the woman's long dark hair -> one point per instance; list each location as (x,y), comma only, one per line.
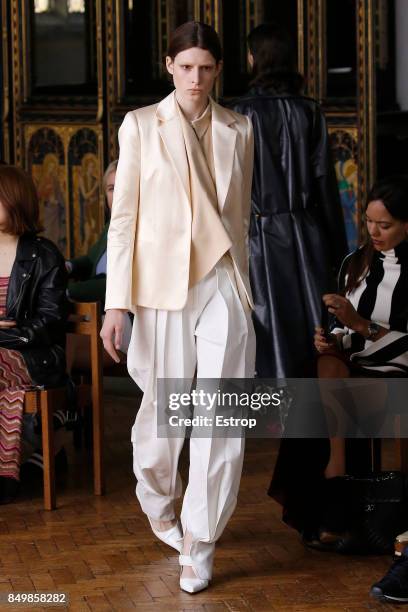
(393,193)
(274,59)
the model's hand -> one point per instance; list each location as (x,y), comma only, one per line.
(112,331)
(7,324)
(344,311)
(322,343)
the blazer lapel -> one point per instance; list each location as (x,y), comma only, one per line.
(172,136)
(224,137)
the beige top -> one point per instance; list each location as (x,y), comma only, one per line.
(202,128)
(209,238)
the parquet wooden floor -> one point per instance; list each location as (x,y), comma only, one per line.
(103,554)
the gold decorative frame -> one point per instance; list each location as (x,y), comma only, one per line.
(16,75)
(6,153)
(366,106)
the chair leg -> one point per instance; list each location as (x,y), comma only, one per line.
(97,415)
(48,450)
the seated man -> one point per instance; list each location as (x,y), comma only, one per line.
(89,271)
(89,284)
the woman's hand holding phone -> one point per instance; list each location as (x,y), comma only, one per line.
(324,343)
(344,311)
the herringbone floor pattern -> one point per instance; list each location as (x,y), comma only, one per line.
(103,554)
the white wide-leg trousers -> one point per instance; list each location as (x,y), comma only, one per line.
(213,337)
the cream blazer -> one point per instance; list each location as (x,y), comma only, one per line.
(149,239)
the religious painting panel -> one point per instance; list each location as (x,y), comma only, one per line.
(46,161)
(345,154)
(85,197)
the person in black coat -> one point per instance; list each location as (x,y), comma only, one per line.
(297,234)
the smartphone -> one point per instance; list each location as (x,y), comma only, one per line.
(325,321)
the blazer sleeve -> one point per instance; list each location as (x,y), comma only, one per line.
(122,229)
(327,192)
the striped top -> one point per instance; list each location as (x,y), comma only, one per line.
(382,297)
(4,281)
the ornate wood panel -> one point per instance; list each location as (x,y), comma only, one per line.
(351,116)
(124,42)
(65,162)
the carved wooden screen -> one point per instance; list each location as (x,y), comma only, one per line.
(75,67)
(57,113)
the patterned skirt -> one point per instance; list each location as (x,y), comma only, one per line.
(14,382)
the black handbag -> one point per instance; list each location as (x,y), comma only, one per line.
(376,512)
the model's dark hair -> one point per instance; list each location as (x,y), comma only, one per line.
(195,34)
(274,59)
(392,191)
(19,198)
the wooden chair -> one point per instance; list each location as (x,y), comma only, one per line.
(45,402)
(85,320)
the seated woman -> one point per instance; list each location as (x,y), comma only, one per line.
(89,272)
(33,311)
(369,338)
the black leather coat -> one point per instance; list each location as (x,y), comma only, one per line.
(36,300)
(297,235)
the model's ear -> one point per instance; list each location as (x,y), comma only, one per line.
(250,59)
(169,64)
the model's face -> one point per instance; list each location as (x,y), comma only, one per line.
(194,72)
(110,186)
(385,231)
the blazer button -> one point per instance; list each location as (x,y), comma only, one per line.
(24,275)
(45,362)
(33,255)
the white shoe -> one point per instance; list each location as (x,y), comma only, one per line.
(172,537)
(191,585)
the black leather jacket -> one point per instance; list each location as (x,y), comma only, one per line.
(36,300)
